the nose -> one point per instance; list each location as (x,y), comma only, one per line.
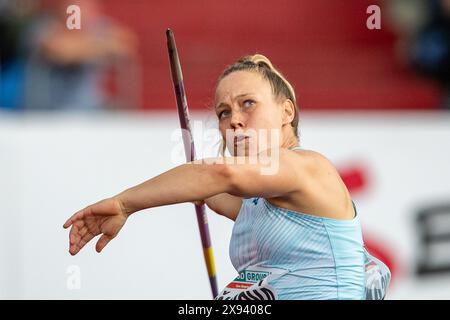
(236,120)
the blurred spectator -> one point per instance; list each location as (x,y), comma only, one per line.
(431,52)
(14,18)
(66,67)
(424,26)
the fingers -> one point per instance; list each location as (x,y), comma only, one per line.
(102,242)
(79,235)
(83,230)
(74,234)
(87,223)
(76,216)
(80,241)
(106,207)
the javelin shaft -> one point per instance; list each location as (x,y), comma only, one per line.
(189,148)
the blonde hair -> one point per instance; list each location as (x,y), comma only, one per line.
(281,88)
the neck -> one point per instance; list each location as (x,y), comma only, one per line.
(290,141)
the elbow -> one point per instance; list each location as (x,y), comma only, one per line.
(225,176)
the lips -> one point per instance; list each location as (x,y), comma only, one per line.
(240,139)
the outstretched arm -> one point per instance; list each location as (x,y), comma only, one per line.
(213,179)
(194,181)
(186,183)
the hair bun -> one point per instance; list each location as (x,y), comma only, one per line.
(262,61)
(259,60)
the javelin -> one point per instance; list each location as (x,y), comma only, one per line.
(183,114)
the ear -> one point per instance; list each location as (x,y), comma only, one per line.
(288,110)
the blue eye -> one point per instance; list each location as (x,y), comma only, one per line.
(249,103)
(221,113)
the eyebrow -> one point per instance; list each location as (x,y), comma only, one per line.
(238,96)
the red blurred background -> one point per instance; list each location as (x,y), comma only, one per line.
(323,47)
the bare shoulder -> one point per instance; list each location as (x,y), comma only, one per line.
(324,193)
(310,169)
(314,162)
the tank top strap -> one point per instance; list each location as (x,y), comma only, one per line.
(354,208)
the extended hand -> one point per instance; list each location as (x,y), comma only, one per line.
(105,217)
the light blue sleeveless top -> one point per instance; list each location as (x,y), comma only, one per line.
(305,256)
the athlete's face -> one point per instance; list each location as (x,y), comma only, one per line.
(245,105)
